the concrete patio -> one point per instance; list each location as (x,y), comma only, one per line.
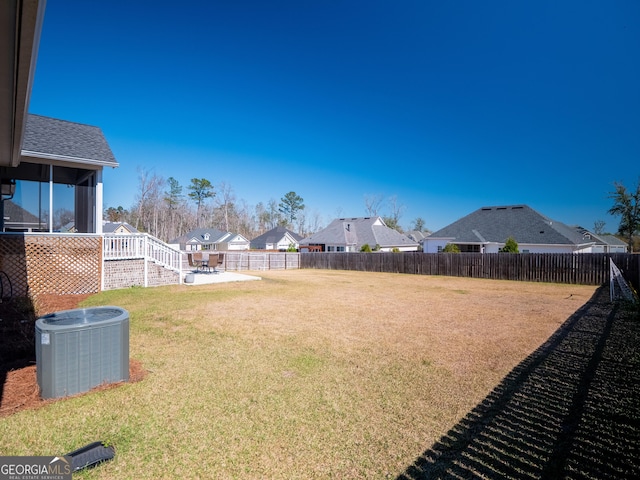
(203,278)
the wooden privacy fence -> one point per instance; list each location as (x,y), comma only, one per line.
(584,269)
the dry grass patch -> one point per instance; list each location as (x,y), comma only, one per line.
(305,374)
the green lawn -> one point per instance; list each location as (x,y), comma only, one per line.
(305,374)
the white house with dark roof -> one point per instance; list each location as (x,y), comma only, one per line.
(603,243)
(210,239)
(278,238)
(487,229)
(350,234)
(118,227)
(417,235)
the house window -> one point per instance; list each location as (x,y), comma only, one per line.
(27,211)
(58,200)
(339,249)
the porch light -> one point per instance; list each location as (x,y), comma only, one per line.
(8,188)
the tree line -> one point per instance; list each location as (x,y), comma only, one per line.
(166,209)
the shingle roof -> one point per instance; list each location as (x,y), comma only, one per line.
(359,231)
(417,235)
(199,234)
(110,227)
(47,137)
(15,213)
(274,236)
(497,224)
(613,240)
(602,239)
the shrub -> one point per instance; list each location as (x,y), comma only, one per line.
(510,246)
(365,248)
(451,248)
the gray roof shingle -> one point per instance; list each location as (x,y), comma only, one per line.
(497,224)
(274,236)
(53,138)
(110,227)
(200,236)
(359,231)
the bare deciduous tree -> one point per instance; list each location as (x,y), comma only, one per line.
(598,227)
(372,204)
(396,210)
(147,200)
(225,203)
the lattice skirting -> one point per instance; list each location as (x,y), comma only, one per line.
(60,264)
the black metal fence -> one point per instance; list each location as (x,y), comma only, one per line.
(583,269)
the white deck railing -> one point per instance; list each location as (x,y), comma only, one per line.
(117,246)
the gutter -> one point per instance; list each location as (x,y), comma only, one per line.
(66,159)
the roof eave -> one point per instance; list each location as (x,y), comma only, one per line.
(20,25)
(63,159)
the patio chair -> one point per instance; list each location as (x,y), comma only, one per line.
(198,260)
(192,263)
(213,261)
(220,262)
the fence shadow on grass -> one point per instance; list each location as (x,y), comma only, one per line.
(569,410)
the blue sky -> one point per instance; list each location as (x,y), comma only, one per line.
(448,106)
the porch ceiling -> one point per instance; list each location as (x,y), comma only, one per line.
(20,27)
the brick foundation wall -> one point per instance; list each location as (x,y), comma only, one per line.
(129,273)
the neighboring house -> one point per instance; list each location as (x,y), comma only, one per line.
(417,235)
(118,227)
(210,239)
(350,234)
(603,243)
(279,238)
(69,227)
(487,229)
